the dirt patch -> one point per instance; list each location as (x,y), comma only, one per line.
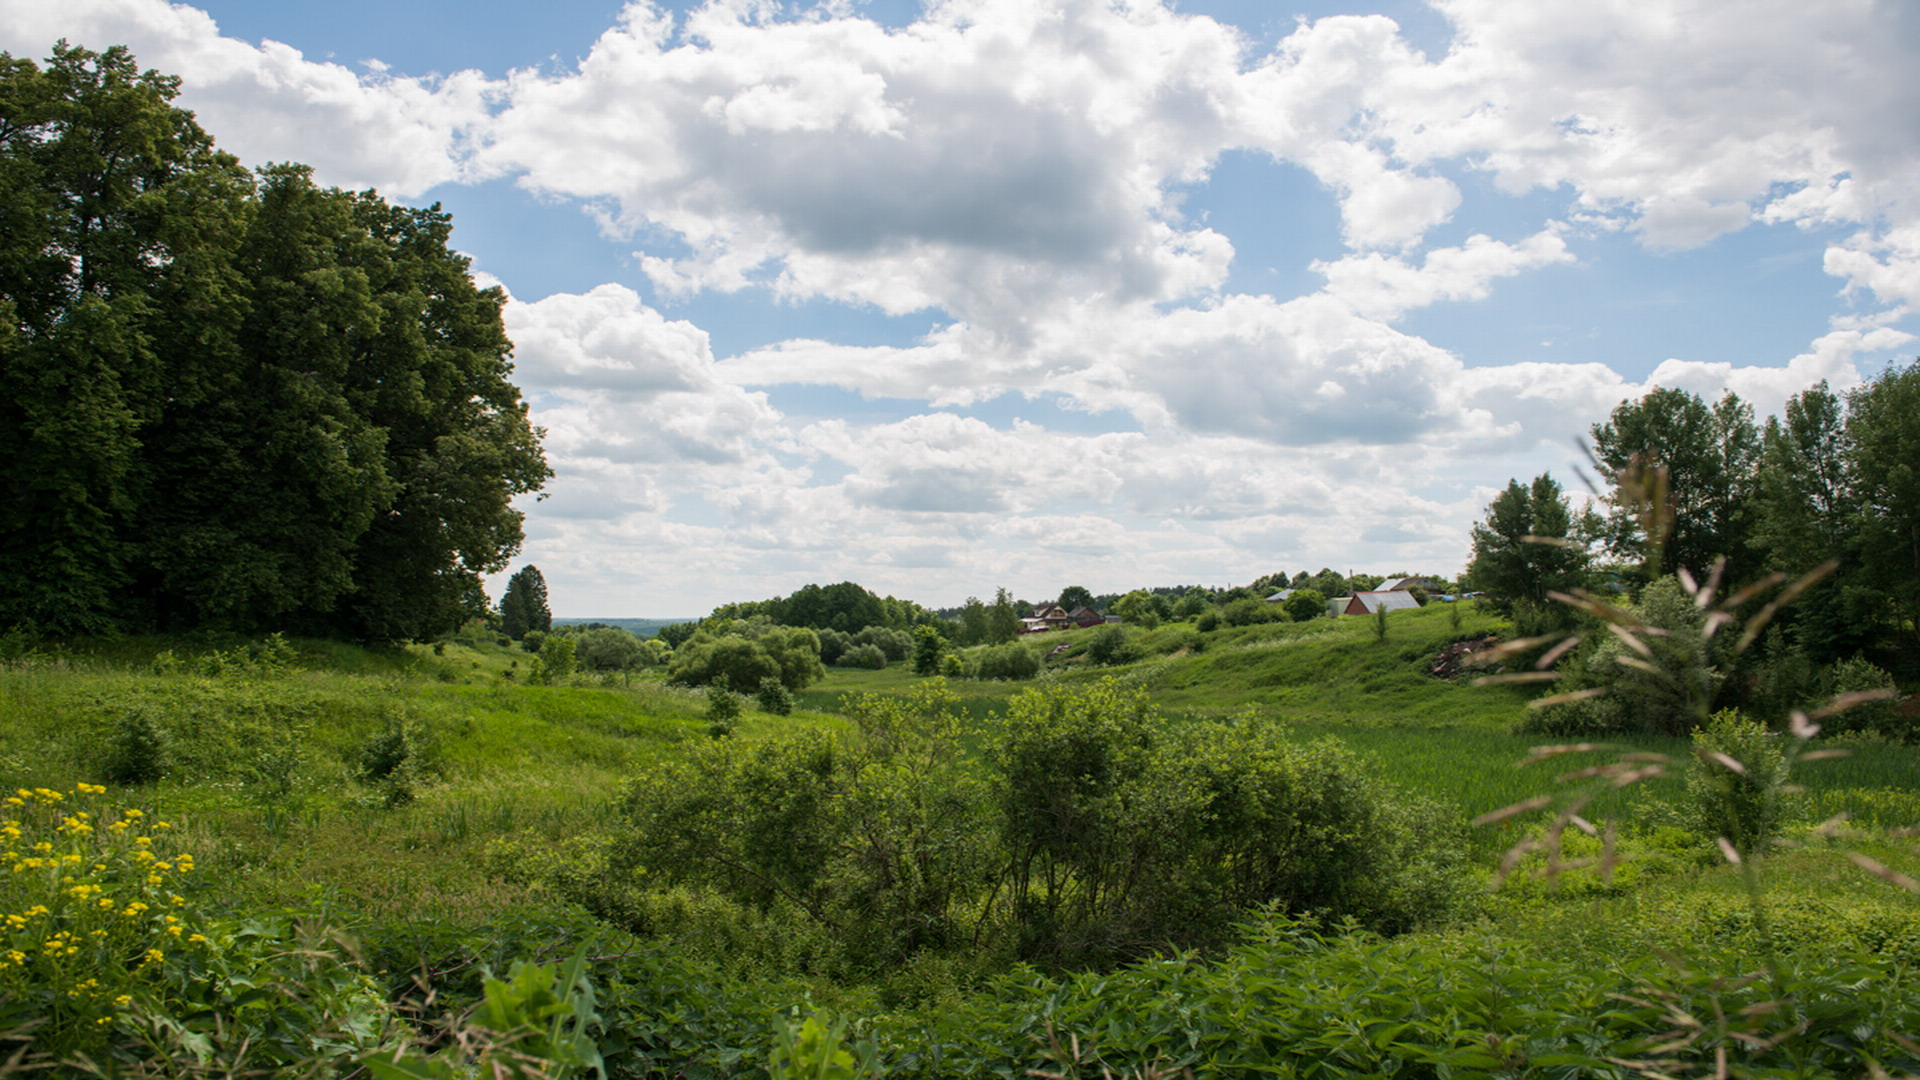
(1456,659)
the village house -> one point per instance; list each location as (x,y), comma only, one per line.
(1366,603)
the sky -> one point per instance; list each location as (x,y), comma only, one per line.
(948,296)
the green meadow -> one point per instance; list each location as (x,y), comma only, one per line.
(507,832)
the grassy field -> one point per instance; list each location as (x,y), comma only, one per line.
(264,762)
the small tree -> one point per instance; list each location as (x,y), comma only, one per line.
(927,647)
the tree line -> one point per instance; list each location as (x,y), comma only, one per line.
(229,399)
(1701,501)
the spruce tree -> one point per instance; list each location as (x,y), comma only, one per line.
(523,606)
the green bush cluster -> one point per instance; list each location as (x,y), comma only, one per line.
(1091,833)
(1011,662)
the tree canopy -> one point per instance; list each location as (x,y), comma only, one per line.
(235,401)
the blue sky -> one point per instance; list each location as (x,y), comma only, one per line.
(941,298)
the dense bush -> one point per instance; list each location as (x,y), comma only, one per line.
(1110,646)
(137,753)
(1011,662)
(1305,604)
(896,644)
(833,645)
(1250,612)
(789,654)
(1661,675)
(1092,834)
(609,648)
(773,697)
(1736,782)
(864,656)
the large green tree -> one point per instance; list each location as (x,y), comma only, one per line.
(1807,511)
(1883,433)
(228,401)
(1682,474)
(1525,550)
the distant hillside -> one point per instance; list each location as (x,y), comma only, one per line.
(637,627)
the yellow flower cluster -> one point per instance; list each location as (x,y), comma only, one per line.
(89,908)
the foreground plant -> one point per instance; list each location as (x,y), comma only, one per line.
(107,966)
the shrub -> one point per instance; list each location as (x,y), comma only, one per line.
(1111,646)
(533,639)
(397,762)
(1011,662)
(609,648)
(952,666)
(1250,612)
(864,656)
(1735,782)
(1208,622)
(137,749)
(723,708)
(706,660)
(1666,686)
(1305,604)
(556,660)
(833,645)
(896,644)
(1855,675)
(774,697)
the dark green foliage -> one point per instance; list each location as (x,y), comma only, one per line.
(678,634)
(523,606)
(1110,646)
(795,651)
(1074,596)
(231,406)
(1094,835)
(1208,622)
(1883,435)
(1881,716)
(833,645)
(1007,662)
(137,751)
(846,607)
(773,697)
(397,761)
